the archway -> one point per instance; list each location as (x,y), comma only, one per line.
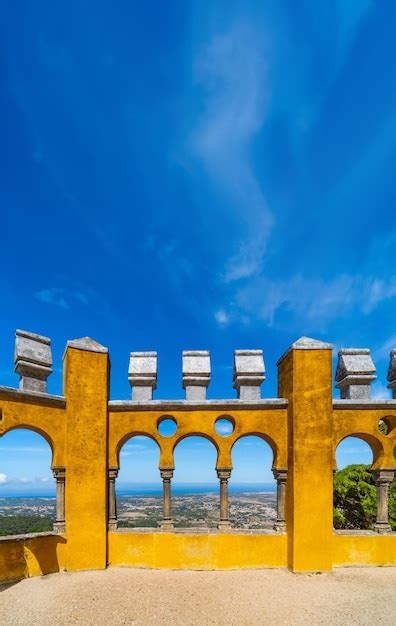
(252,487)
(195,487)
(27,486)
(355,494)
(139,485)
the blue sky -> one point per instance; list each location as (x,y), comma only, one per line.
(210,175)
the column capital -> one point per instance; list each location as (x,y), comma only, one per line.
(223,474)
(112,472)
(280,474)
(59,473)
(166,474)
(383,476)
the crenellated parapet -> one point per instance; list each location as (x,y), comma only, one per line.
(303,425)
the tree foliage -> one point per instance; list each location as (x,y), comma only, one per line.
(355,499)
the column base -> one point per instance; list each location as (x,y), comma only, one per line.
(382,527)
(224,525)
(280,527)
(59,528)
(112,525)
(167,525)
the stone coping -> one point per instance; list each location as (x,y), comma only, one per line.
(365,404)
(370,533)
(34,397)
(27,536)
(197,531)
(169,405)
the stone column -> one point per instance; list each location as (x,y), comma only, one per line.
(33,360)
(355,373)
(249,373)
(166,475)
(382,478)
(224,521)
(281,478)
(60,477)
(112,522)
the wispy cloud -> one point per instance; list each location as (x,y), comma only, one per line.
(63,297)
(54,295)
(314,300)
(221,317)
(3,479)
(231,71)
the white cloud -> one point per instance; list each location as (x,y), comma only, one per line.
(24,480)
(221,317)
(3,479)
(61,297)
(231,68)
(313,300)
(42,479)
(54,295)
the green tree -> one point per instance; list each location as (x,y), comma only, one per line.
(355,498)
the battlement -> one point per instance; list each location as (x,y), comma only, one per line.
(303,426)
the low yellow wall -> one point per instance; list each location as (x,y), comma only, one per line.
(353,550)
(197,551)
(22,557)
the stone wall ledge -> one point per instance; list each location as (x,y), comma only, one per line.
(365,404)
(218,405)
(33,397)
(27,536)
(370,533)
(198,531)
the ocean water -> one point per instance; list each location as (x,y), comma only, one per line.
(146,489)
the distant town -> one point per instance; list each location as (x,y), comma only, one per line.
(197,510)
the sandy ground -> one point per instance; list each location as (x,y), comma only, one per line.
(132,596)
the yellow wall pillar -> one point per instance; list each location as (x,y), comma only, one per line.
(305,379)
(86,372)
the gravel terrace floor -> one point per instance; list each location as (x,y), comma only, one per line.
(135,596)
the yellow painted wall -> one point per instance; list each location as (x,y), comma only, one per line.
(86,390)
(86,434)
(305,379)
(31,556)
(197,551)
(364,550)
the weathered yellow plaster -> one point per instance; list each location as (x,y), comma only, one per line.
(197,551)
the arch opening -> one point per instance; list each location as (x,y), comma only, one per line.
(354,491)
(252,487)
(27,485)
(138,487)
(195,488)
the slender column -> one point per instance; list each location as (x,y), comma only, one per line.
(112,522)
(383,479)
(60,477)
(281,478)
(166,475)
(224,521)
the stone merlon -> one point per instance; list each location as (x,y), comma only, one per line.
(142,375)
(196,374)
(249,373)
(355,373)
(392,373)
(33,360)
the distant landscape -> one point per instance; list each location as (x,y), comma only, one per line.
(193,506)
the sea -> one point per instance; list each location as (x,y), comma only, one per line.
(155,489)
